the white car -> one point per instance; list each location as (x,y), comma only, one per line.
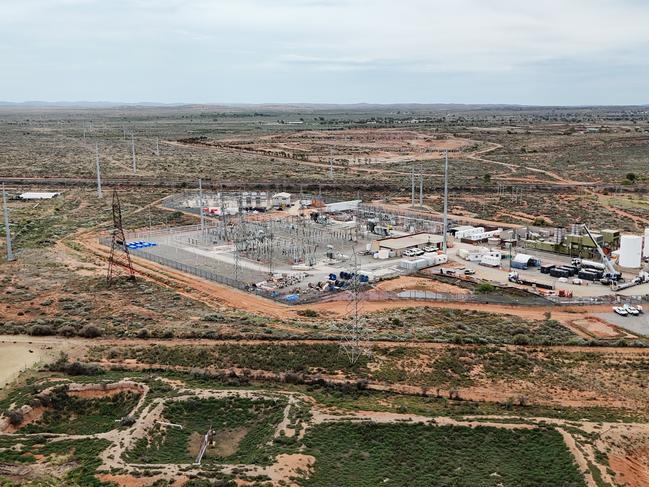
(631,310)
(430,249)
(620,310)
(417,252)
(408,253)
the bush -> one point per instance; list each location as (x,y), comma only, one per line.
(143,333)
(74,368)
(539,222)
(41,330)
(44,399)
(484,288)
(521,339)
(15,417)
(77,368)
(308,313)
(90,331)
(127,421)
(67,331)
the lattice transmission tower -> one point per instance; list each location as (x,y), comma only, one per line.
(119,255)
(355,342)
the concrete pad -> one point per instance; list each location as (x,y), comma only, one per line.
(638,325)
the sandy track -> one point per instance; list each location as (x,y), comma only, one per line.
(554,177)
(319,165)
(18,353)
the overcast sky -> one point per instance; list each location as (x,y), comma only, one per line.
(331,51)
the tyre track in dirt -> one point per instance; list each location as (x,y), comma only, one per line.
(554,177)
(319,165)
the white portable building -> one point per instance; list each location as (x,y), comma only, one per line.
(342,206)
(492,259)
(38,196)
(472,255)
(282,199)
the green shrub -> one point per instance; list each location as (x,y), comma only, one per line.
(484,288)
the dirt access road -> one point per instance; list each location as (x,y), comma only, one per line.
(19,353)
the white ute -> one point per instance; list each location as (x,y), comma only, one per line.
(620,310)
(631,310)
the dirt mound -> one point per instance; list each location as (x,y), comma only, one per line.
(30,415)
(408,283)
(93,392)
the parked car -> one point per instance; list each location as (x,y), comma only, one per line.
(469,272)
(620,310)
(430,249)
(631,310)
(408,253)
(418,252)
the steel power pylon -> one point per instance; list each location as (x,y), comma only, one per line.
(119,255)
(355,337)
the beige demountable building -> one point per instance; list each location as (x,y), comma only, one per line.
(282,200)
(399,244)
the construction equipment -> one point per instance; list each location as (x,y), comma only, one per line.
(642,278)
(515,278)
(611,275)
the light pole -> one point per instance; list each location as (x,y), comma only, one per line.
(445,200)
(10,254)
